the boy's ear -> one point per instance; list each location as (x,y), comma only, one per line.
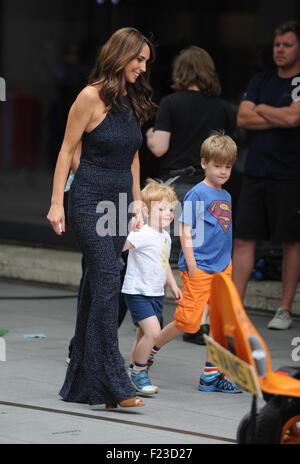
(203,163)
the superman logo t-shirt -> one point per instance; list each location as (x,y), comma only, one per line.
(221,210)
(208,211)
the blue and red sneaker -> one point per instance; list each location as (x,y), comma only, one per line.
(218,383)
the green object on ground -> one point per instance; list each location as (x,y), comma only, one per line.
(3,332)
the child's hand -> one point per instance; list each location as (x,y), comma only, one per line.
(177,293)
(192,270)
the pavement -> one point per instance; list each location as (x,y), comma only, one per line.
(38,297)
(31,411)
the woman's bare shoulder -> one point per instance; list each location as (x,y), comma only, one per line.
(89,95)
(87,101)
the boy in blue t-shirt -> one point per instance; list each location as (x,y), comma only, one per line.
(206,240)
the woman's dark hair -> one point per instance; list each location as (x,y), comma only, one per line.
(122,47)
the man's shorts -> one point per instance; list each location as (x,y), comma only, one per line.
(142,306)
(195,295)
(268,210)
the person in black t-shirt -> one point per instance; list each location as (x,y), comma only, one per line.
(269,203)
(186,117)
(184,120)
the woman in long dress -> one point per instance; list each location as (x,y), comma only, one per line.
(105,119)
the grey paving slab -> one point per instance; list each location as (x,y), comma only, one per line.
(35,427)
(35,368)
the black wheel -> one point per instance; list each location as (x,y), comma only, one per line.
(278,422)
(243,434)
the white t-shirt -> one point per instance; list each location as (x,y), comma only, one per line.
(147,264)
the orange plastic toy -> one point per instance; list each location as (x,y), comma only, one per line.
(247,361)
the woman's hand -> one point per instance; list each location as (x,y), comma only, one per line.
(56,216)
(137,220)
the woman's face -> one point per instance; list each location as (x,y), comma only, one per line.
(137,66)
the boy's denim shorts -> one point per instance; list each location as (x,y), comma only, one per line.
(142,306)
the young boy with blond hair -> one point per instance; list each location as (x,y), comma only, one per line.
(206,240)
(148,271)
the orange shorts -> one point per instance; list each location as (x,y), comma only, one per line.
(195,295)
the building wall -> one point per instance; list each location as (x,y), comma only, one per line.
(41,39)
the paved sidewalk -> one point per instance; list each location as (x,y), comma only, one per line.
(32,412)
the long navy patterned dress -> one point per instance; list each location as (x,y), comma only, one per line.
(96,373)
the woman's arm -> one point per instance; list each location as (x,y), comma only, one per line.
(135,170)
(137,220)
(76,158)
(78,119)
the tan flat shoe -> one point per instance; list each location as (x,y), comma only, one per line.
(129,403)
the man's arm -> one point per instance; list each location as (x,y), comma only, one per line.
(286,116)
(249,118)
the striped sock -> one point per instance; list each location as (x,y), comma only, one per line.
(210,370)
(154,351)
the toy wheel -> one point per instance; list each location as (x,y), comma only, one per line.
(276,425)
(290,432)
(244,430)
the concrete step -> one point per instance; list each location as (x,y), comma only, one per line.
(61,267)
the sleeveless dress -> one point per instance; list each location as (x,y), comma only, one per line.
(98,214)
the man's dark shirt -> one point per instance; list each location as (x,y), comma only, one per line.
(274,153)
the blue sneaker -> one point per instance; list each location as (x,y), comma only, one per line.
(218,383)
(142,383)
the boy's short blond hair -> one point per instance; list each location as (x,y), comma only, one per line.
(157,191)
(219,147)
